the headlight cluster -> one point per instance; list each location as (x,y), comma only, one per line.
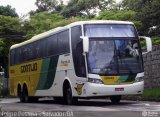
(139,79)
(93,80)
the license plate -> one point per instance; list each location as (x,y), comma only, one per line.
(119,89)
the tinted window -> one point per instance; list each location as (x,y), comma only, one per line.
(77,50)
(110,30)
(30,53)
(39,49)
(12,54)
(17,56)
(63,42)
(52,45)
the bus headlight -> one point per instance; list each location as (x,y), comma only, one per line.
(93,80)
(139,79)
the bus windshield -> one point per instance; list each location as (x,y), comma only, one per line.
(112,57)
(110,30)
(113,49)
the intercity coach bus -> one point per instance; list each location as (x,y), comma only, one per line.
(85,59)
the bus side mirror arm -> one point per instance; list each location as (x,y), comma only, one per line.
(148,43)
(85,44)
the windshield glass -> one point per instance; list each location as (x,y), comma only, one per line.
(109,30)
(114,56)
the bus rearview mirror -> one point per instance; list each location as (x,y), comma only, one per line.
(85,44)
(148,43)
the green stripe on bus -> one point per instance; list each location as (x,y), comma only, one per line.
(51,72)
(127,78)
(131,78)
(44,73)
(47,74)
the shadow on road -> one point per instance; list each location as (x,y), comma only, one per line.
(87,102)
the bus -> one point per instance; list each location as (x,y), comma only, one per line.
(85,59)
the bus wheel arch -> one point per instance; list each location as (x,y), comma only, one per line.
(67,93)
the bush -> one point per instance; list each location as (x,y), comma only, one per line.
(4,93)
(152,93)
(155,40)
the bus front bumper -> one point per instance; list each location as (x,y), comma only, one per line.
(95,90)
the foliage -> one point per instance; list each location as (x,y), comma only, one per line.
(134,5)
(8,11)
(147,12)
(4,93)
(9,26)
(123,15)
(155,40)
(10,31)
(48,5)
(85,8)
(153,93)
(44,21)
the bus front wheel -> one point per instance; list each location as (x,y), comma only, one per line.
(68,99)
(115,99)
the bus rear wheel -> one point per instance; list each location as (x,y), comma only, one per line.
(115,99)
(25,98)
(20,93)
(24,95)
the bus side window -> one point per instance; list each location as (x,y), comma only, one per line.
(17,56)
(63,42)
(52,45)
(12,59)
(77,50)
(39,49)
(30,53)
(24,53)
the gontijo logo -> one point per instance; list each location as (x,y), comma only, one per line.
(29,68)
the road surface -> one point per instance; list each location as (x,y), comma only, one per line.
(47,107)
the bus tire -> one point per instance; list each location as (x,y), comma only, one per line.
(25,94)
(58,99)
(32,99)
(67,94)
(20,94)
(21,98)
(75,100)
(115,99)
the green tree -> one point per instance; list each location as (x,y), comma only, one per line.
(44,21)
(147,11)
(10,29)
(40,22)
(85,8)
(8,11)
(46,5)
(123,15)
(135,5)
(10,33)
(150,16)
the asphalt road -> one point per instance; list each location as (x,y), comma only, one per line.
(84,108)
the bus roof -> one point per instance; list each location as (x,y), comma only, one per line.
(58,29)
